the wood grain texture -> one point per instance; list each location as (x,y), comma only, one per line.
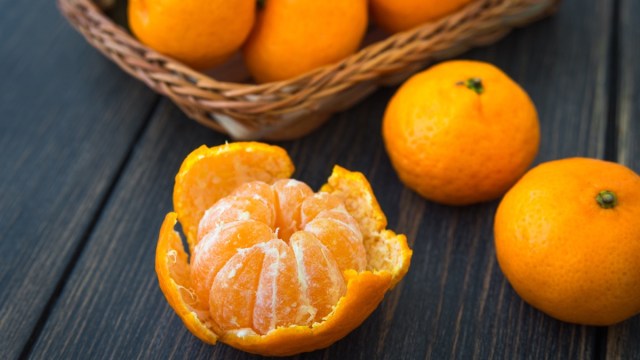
(629,85)
(454,302)
(623,340)
(67,120)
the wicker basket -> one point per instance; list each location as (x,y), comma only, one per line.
(291,108)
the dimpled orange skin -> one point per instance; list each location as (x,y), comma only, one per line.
(562,252)
(455,146)
(210,174)
(292,37)
(198,33)
(400,15)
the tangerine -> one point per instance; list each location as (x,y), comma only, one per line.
(275,268)
(567,238)
(199,33)
(400,15)
(461,132)
(292,37)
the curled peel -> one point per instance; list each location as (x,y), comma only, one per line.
(173,275)
(388,255)
(386,250)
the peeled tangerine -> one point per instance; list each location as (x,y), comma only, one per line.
(275,269)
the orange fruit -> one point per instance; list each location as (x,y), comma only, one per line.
(292,37)
(461,132)
(400,15)
(199,33)
(567,238)
(275,269)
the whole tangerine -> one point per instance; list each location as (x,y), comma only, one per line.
(400,15)
(567,238)
(461,132)
(199,33)
(292,37)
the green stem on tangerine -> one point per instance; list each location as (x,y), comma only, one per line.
(260,4)
(607,199)
(474,84)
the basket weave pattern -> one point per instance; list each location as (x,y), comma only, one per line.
(291,108)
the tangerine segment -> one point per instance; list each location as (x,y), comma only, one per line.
(290,195)
(339,232)
(279,298)
(235,284)
(235,208)
(208,174)
(320,276)
(317,203)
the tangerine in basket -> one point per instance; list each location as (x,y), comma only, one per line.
(461,132)
(567,238)
(199,33)
(274,269)
(292,37)
(400,15)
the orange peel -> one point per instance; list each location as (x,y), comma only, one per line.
(228,166)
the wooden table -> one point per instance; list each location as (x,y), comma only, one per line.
(86,175)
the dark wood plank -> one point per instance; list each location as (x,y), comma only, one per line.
(453,303)
(67,120)
(623,340)
(629,85)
